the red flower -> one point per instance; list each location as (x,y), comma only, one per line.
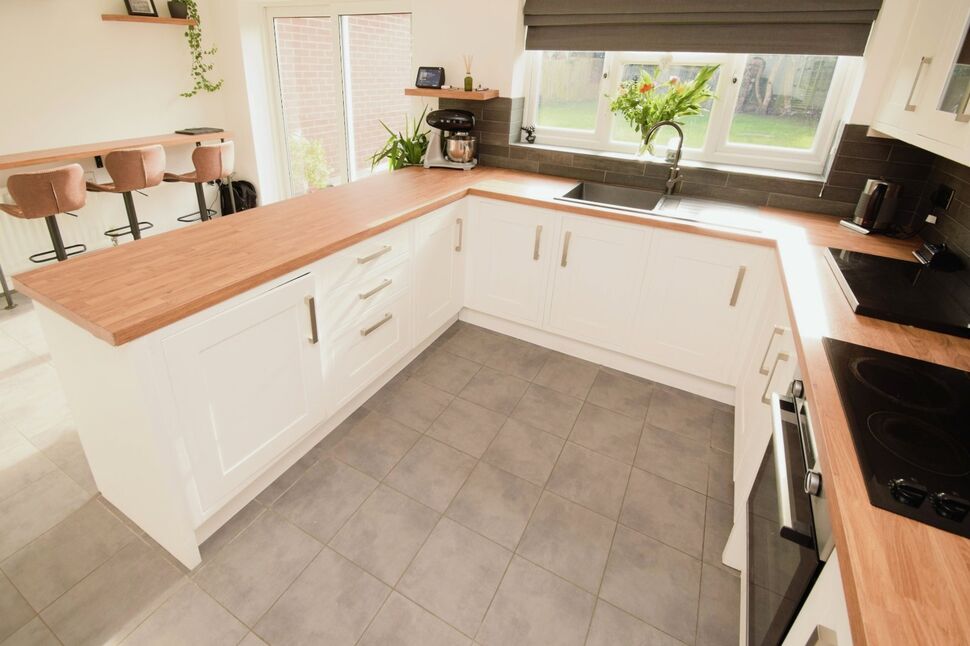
(646,87)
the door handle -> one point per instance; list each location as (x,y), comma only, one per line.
(367,330)
(535,248)
(742,270)
(461,233)
(785,492)
(384,285)
(923,61)
(778,331)
(311,304)
(377,254)
(565,248)
(782,356)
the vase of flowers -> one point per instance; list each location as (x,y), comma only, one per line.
(646,101)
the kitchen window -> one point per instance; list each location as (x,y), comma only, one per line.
(776,111)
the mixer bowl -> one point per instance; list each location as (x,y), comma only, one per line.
(461,148)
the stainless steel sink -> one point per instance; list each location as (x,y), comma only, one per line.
(614,197)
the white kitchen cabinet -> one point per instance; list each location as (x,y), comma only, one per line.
(247,383)
(599,269)
(439,264)
(824,617)
(697,295)
(510,250)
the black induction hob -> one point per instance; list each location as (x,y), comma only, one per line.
(910,423)
(904,292)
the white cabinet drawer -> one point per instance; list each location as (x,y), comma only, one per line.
(365,259)
(350,304)
(361,353)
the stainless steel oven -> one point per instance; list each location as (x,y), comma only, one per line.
(789,535)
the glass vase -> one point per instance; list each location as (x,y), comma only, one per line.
(468,83)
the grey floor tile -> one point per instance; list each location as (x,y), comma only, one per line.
(720,479)
(278,487)
(34,633)
(46,568)
(446,371)
(474,343)
(590,479)
(682,412)
(653,582)
(252,639)
(115,598)
(567,375)
(189,617)
(325,446)
(21,464)
(250,573)
(14,609)
(414,404)
(613,627)
(674,456)
(225,534)
(36,508)
(466,426)
(718,623)
(534,607)
(518,358)
(495,390)
(403,623)
(431,472)
(626,395)
(325,497)
(495,504)
(666,511)
(524,451)
(569,540)
(385,533)
(607,432)
(79,471)
(548,410)
(455,575)
(375,444)
(331,602)
(717,527)
(722,431)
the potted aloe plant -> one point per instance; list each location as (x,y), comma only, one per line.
(405,148)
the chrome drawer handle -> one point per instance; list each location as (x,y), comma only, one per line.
(565,248)
(742,270)
(778,331)
(782,356)
(311,304)
(384,285)
(368,330)
(377,254)
(461,233)
(535,248)
(925,60)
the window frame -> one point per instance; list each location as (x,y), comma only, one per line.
(717,148)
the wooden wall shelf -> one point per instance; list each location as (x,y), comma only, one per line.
(484,95)
(158,20)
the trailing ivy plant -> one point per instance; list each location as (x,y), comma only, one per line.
(403,149)
(200,68)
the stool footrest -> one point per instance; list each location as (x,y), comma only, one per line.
(47,256)
(194,216)
(126,230)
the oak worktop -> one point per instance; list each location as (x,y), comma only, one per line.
(905,582)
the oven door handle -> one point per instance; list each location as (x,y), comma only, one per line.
(785,492)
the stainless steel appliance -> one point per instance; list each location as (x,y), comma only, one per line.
(451,144)
(789,534)
(876,209)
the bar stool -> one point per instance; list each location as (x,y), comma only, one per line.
(131,170)
(44,194)
(211,163)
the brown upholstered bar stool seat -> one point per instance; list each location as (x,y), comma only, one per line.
(211,163)
(131,170)
(44,194)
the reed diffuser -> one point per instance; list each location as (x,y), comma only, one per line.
(469,84)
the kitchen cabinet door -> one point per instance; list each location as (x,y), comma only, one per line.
(248,383)
(697,295)
(509,258)
(599,268)
(439,262)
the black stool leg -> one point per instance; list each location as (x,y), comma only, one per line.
(56,239)
(132,216)
(203,209)
(6,291)
(232,196)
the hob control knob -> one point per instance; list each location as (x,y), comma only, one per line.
(950,505)
(907,491)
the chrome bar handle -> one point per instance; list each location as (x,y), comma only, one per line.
(377,254)
(962,115)
(384,285)
(535,248)
(368,330)
(565,248)
(782,356)
(771,340)
(311,304)
(782,481)
(742,270)
(923,61)
(461,233)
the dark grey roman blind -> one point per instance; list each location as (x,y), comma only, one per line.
(836,27)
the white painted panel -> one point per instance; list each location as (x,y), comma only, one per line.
(439,256)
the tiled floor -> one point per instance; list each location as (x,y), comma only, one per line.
(494,493)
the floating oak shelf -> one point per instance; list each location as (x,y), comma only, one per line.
(158,20)
(484,95)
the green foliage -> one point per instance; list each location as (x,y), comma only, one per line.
(200,68)
(403,149)
(308,159)
(644,102)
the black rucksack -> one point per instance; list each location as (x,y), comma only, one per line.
(243,193)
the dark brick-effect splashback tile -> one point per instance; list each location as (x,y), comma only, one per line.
(953,226)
